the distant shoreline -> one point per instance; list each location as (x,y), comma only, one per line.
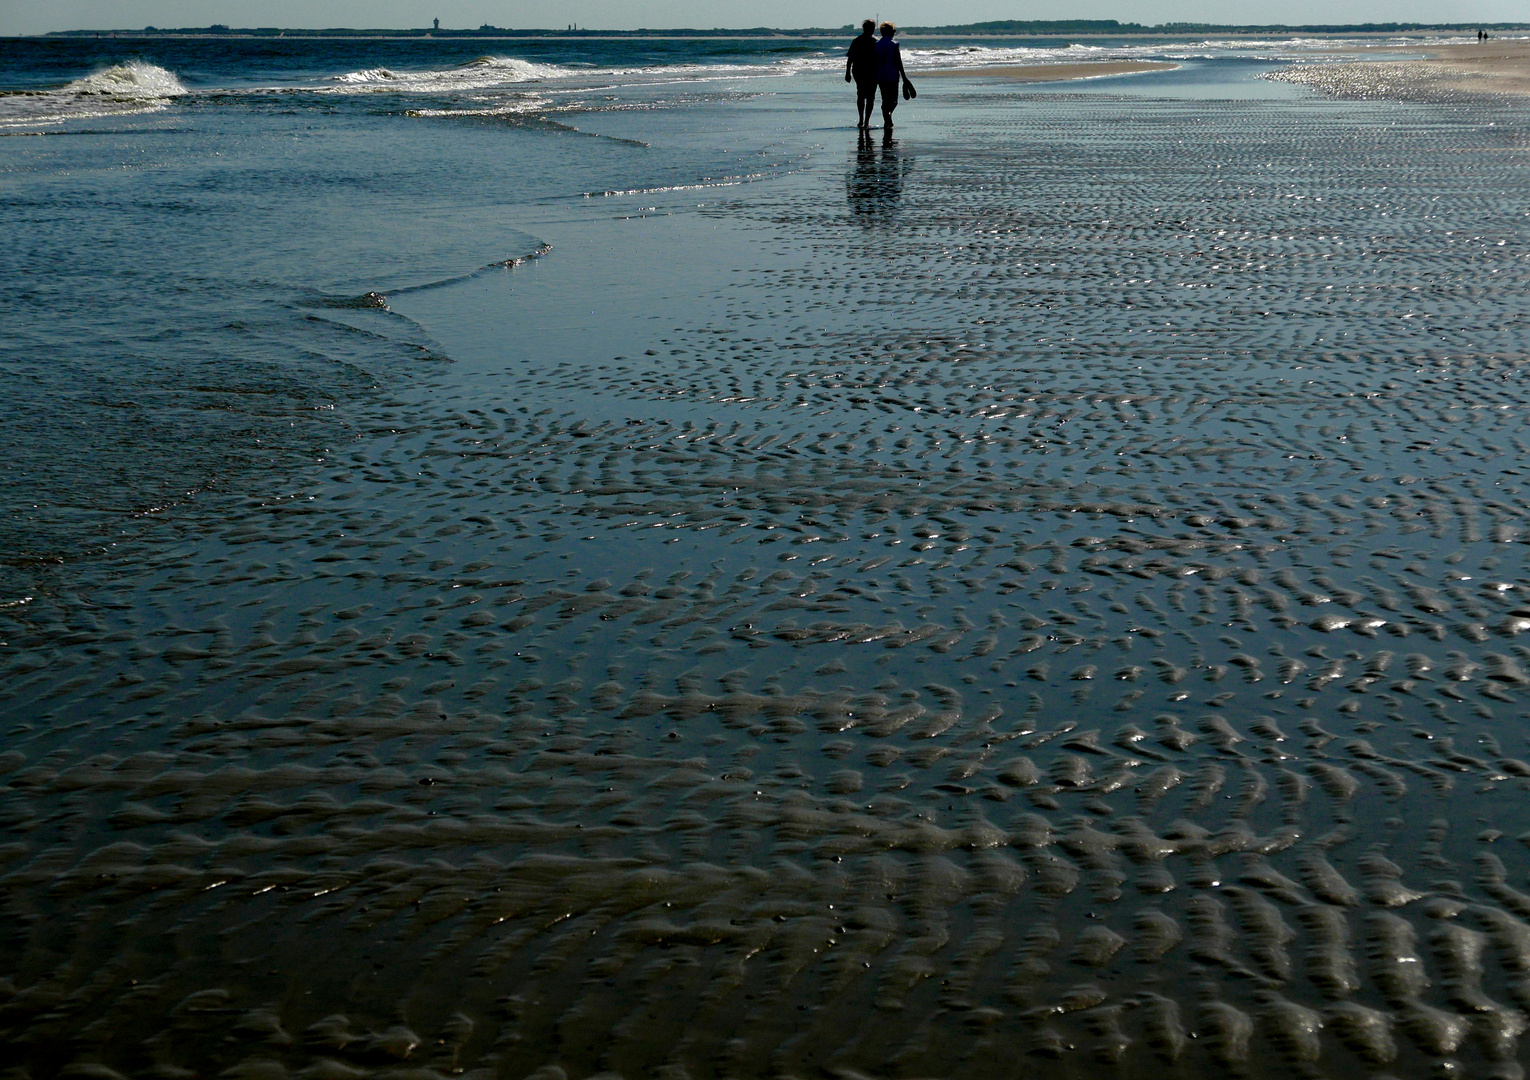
(1009,29)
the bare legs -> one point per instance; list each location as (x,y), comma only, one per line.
(889,103)
(864,104)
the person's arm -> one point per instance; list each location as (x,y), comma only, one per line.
(901,72)
(849,62)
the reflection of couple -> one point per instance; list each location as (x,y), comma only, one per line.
(875,182)
(874,64)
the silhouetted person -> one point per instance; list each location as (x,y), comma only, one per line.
(861,65)
(889,73)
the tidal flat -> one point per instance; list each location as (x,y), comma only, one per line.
(1042,595)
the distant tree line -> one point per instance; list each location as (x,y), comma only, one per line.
(997,27)
(1027,27)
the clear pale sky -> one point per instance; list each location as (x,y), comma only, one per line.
(40,16)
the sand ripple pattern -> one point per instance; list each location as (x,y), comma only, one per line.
(1067,617)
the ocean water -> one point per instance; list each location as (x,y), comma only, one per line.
(566,561)
(196,175)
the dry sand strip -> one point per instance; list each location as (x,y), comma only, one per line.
(1501,67)
(1487,67)
(1089,69)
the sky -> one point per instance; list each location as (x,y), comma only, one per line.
(34,17)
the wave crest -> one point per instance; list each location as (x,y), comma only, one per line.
(119,90)
(131,80)
(484,73)
(366,75)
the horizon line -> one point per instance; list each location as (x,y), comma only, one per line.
(993,26)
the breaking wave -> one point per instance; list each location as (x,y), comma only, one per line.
(484,73)
(131,80)
(134,87)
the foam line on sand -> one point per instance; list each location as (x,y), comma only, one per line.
(1090,69)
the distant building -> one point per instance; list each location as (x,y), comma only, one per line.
(438,24)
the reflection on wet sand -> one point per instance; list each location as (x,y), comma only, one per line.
(874,184)
(1110,663)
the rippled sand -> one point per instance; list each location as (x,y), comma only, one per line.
(1049,601)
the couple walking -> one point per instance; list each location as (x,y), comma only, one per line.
(874,63)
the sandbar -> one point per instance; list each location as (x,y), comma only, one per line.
(1088,69)
(1486,67)
(1496,66)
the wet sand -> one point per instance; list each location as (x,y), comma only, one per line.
(1043,596)
(1488,67)
(1091,69)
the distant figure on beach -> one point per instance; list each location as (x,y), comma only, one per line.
(890,73)
(861,65)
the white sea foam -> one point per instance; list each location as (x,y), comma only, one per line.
(491,73)
(518,107)
(484,73)
(479,84)
(130,80)
(917,56)
(134,87)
